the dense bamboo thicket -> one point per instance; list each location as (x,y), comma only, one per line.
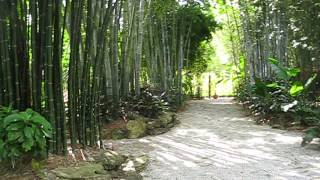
(283,30)
(275,49)
(76,60)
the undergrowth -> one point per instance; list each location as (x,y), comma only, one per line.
(22,134)
(151,103)
(283,99)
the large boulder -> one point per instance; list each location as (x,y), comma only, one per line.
(111,160)
(136,128)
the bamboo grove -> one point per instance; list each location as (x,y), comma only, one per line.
(275,49)
(68,59)
(284,30)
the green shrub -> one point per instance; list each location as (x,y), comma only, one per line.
(148,104)
(283,96)
(22,133)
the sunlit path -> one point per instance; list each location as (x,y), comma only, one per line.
(76,75)
(217,141)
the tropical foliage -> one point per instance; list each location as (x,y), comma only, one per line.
(277,60)
(22,134)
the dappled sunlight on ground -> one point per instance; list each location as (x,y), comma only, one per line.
(216,141)
(220,101)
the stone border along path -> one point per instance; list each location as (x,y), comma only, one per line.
(216,140)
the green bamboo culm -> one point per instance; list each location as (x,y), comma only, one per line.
(6,62)
(76,61)
(13,48)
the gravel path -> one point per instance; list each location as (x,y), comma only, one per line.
(215,140)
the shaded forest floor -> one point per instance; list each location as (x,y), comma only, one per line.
(217,140)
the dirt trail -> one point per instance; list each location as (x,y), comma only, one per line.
(215,140)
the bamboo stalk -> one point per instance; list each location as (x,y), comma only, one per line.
(13,47)
(36,95)
(138,54)
(49,74)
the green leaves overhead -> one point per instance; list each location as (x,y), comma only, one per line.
(201,26)
(163,7)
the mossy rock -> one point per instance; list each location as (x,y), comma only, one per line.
(135,164)
(141,163)
(83,171)
(171,125)
(176,122)
(36,165)
(154,123)
(162,124)
(111,160)
(136,128)
(117,134)
(158,131)
(167,118)
(127,175)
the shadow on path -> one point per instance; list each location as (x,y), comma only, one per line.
(215,140)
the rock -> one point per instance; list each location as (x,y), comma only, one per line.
(127,176)
(47,176)
(36,165)
(135,164)
(307,139)
(136,128)
(171,125)
(176,122)
(115,130)
(158,131)
(141,163)
(162,124)
(276,126)
(111,160)
(132,176)
(166,118)
(117,134)
(84,171)
(154,123)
